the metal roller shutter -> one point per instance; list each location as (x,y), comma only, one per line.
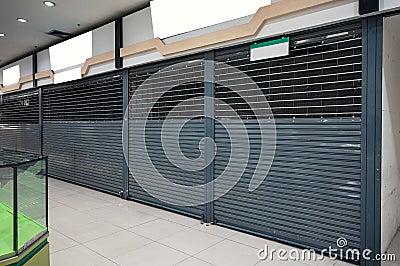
(82,131)
(19,121)
(176,80)
(311,195)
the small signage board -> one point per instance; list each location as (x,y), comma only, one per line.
(270,49)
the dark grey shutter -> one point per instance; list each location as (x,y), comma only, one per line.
(19,121)
(189,138)
(311,195)
(82,131)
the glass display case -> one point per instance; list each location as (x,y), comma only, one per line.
(23,202)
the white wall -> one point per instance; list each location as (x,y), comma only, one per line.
(103,39)
(335,12)
(103,42)
(174,17)
(138,27)
(67,75)
(43,61)
(389,4)
(26,70)
(209,29)
(391,131)
(11,76)
(25,66)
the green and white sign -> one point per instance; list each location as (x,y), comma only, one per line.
(270,49)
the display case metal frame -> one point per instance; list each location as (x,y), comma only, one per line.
(14,161)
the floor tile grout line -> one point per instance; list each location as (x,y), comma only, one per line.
(92,195)
(101,237)
(95,222)
(99,218)
(96,199)
(165,245)
(214,234)
(58,196)
(83,245)
(56,201)
(129,228)
(61,233)
(91,209)
(204,231)
(204,261)
(64,249)
(111,205)
(181,261)
(180,231)
(192,257)
(222,240)
(74,245)
(160,218)
(113,262)
(122,229)
(247,245)
(111,258)
(225,239)
(187,227)
(140,235)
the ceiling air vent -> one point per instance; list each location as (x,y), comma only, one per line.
(59,34)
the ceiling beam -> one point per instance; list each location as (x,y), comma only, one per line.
(368,6)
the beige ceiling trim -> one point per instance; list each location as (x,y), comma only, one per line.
(98,59)
(250,29)
(45,74)
(26,79)
(10,88)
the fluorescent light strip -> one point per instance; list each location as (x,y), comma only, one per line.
(22,20)
(49,4)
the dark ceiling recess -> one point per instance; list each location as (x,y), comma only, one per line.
(59,34)
(368,6)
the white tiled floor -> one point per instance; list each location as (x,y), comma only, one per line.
(90,228)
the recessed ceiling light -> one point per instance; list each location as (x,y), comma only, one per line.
(49,3)
(2,34)
(22,20)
